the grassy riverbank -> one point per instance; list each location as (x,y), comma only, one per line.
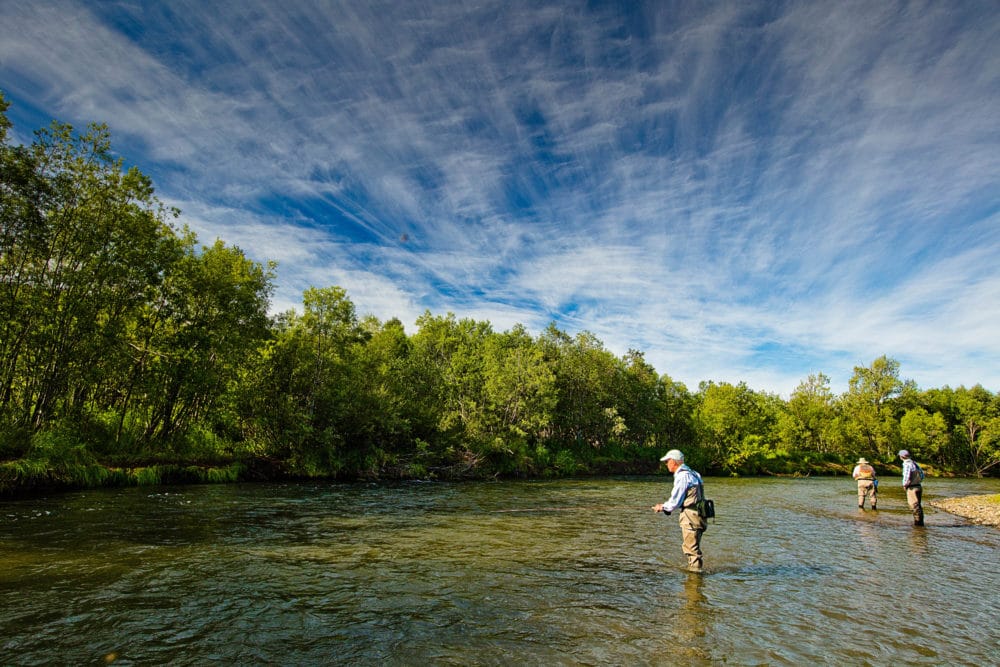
(28,476)
(25,477)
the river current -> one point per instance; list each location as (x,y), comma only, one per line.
(574,572)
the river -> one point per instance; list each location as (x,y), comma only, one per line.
(574,572)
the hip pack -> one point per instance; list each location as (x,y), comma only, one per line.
(706,508)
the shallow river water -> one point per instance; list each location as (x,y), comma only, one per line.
(501,573)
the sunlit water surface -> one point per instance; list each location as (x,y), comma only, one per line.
(504,573)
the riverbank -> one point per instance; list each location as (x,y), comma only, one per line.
(984,510)
(27,477)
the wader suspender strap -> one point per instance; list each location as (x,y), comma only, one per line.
(701,497)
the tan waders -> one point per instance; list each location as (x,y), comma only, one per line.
(866,489)
(692,528)
(913,497)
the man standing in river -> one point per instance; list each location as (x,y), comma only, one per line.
(867,483)
(688,490)
(913,480)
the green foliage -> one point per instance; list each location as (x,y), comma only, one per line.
(59,447)
(565,464)
(586,375)
(148,476)
(977,413)
(736,425)
(674,410)
(23,474)
(54,459)
(925,435)
(806,421)
(83,249)
(868,405)
(14,441)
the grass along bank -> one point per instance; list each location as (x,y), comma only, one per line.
(26,476)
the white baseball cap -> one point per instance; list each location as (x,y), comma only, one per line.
(675,455)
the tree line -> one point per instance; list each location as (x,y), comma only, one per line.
(130,353)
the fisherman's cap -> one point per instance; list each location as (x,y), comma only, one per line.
(903,454)
(675,455)
(862,460)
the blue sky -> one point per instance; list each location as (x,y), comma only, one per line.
(743,191)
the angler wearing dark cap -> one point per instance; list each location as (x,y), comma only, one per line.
(913,479)
(687,495)
(867,483)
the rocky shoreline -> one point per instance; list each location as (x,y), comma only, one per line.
(984,510)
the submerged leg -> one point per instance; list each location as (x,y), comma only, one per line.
(691,531)
(914,495)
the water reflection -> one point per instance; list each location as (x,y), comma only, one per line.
(685,620)
(918,538)
(692,618)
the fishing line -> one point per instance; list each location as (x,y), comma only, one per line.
(577,508)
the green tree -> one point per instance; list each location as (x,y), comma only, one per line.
(382,357)
(84,244)
(298,399)
(397,417)
(587,415)
(926,435)
(211,316)
(736,426)
(675,413)
(806,420)
(868,409)
(23,230)
(519,396)
(452,352)
(640,403)
(978,426)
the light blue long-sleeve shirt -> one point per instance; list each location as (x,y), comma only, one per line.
(913,475)
(684,478)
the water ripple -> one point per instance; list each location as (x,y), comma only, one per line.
(554,573)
